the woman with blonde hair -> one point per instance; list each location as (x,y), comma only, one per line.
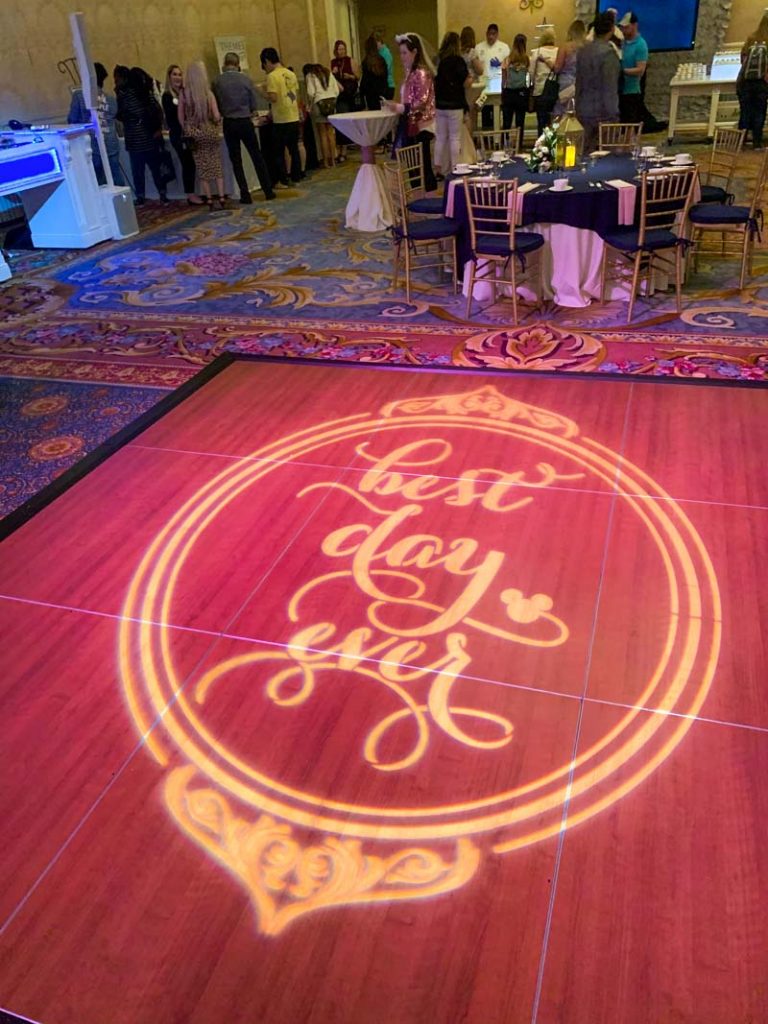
(565,65)
(467,45)
(752,84)
(201,122)
(322,92)
(543,59)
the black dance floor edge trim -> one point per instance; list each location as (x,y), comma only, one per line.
(6,1017)
(14,520)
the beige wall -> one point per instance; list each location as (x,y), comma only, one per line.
(745,16)
(508,16)
(34,36)
(455,14)
(395,17)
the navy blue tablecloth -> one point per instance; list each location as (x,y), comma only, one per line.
(581,207)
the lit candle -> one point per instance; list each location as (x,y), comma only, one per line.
(570,155)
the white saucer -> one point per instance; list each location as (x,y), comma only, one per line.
(568,188)
(467,170)
(601,152)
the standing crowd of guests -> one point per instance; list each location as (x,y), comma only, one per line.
(199,114)
(599,68)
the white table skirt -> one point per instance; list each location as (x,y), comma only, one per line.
(368,208)
(571,272)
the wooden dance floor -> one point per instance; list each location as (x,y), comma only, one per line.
(349,696)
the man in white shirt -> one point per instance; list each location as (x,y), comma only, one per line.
(492,53)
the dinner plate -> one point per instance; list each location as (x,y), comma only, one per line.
(601,152)
(467,170)
(568,188)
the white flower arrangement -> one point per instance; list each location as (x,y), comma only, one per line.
(542,157)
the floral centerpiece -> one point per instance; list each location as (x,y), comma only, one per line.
(542,157)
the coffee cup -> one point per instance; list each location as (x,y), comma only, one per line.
(461,167)
(498,155)
(682,158)
(560,184)
(648,151)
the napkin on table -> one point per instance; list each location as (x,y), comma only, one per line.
(627,193)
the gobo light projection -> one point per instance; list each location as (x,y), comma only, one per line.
(409,589)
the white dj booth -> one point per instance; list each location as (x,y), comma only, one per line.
(51,170)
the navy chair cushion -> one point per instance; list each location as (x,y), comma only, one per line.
(718,213)
(427,204)
(435,227)
(525,242)
(626,239)
(715,194)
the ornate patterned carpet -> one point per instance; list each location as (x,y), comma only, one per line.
(288,280)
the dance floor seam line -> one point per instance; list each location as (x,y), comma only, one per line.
(555,488)
(216,635)
(579,719)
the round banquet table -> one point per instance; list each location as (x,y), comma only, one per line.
(569,221)
(368,208)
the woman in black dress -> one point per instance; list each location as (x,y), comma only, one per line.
(174,90)
(373,84)
(345,71)
(142,121)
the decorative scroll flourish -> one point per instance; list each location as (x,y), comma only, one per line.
(486,401)
(286,880)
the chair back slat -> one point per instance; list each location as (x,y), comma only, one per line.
(410,160)
(726,147)
(491,141)
(620,136)
(665,199)
(489,202)
(393,179)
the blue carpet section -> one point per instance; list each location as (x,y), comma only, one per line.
(46,426)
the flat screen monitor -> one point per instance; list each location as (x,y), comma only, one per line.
(663,24)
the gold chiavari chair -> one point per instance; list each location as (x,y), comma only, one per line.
(410,160)
(491,141)
(658,242)
(738,226)
(420,243)
(620,137)
(496,242)
(718,177)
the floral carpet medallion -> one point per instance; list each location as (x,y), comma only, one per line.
(539,347)
(288,280)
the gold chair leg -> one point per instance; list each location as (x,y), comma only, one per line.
(679,278)
(407,273)
(396,273)
(513,276)
(746,257)
(603,271)
(454,267)
(470,287)
(635,279)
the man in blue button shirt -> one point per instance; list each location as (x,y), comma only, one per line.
(634,61)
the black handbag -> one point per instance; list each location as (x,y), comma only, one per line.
(551,92)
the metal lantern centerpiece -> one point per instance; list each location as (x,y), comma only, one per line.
(570,139)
